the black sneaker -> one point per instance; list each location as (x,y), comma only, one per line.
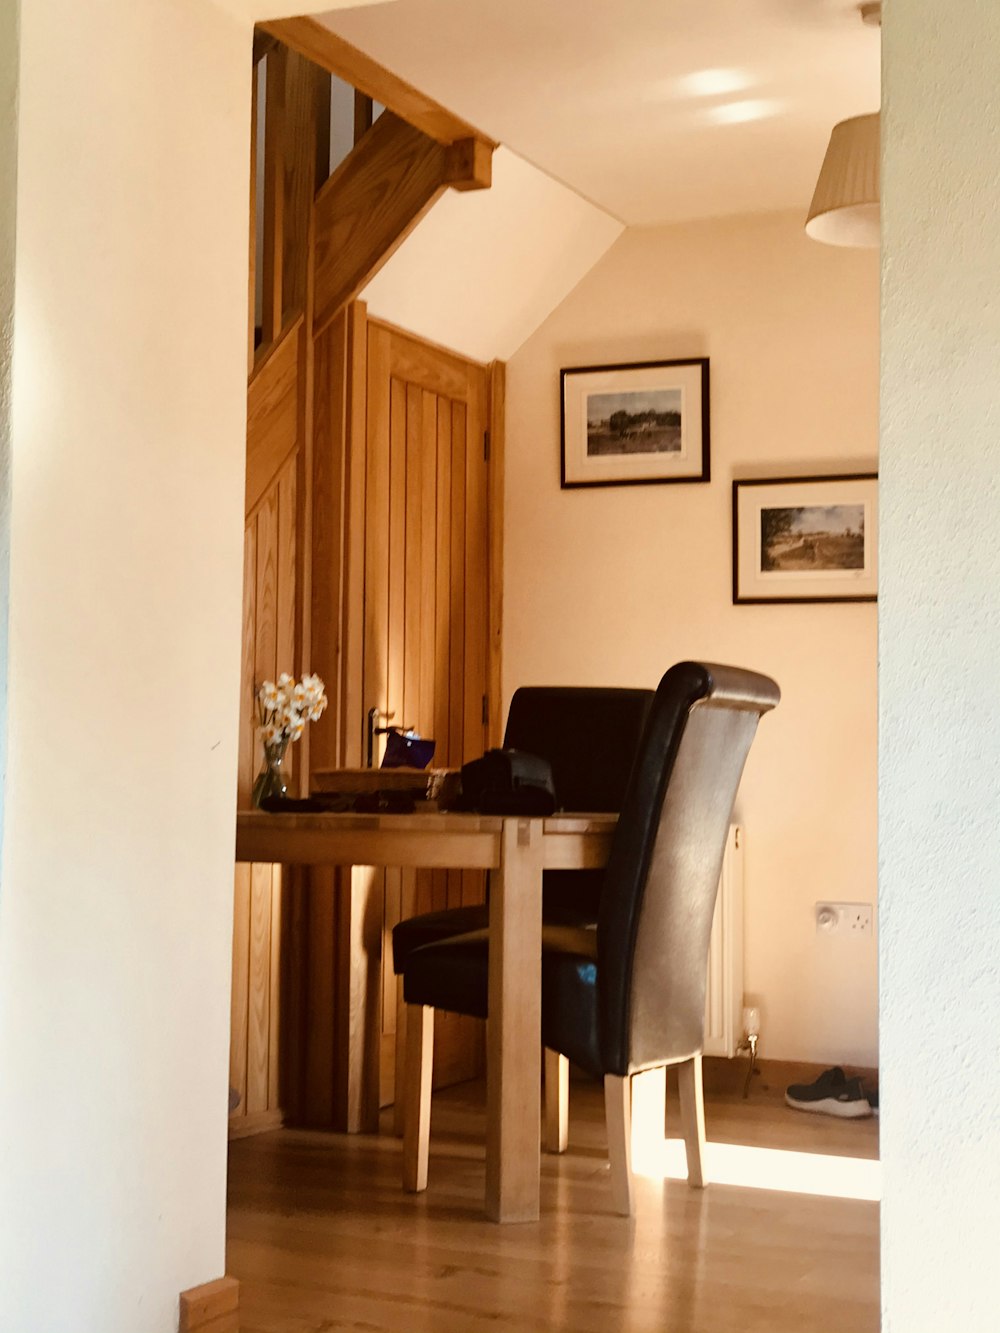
(833,1093)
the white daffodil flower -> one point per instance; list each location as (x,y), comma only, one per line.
(286,706)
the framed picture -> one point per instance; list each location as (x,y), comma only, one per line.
(635,424)
(806,539)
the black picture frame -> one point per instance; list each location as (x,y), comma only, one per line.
(772,566)
(592,453)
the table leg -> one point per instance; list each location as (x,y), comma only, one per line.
(359,1000)
(514,1034)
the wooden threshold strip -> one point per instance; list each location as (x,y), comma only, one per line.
(214,1307)
(317,43)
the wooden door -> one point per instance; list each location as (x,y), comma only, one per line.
(426,622)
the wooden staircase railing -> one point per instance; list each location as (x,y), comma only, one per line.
(402,160)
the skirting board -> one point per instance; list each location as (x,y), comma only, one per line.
(772,1077)
(259,1122)
(214,1307)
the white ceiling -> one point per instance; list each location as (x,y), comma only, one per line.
(605,95)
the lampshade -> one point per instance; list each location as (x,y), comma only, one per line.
(845,207)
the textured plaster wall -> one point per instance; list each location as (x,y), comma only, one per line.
(611,586)
(129,408)
(9,13)
(939,654)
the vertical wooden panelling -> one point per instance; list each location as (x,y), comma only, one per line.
(285,580)
(425,638)
(376,578)
(306,99)
(266,642)
(461,1049)
(428,562)
(240,993)
(277,989)
(413,893)
(252,280)
(495,493)
(274,1016)
(355,524)
(270,632)
(248,737)
(239,997)
(258,1023)
(442,617)
(274,194)
(396,552)
(476,567)
(456,662)
(303,511)
(328,532)
(320,1000)
(398,885)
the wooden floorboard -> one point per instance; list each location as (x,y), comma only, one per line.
(323,1239)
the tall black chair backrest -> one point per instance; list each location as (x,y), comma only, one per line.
(589,736)
(655,918)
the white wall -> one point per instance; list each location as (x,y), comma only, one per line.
(128,459)
(611,586)
(940,648)
(9,16)
(483,268)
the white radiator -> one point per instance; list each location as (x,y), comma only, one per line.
(724,996)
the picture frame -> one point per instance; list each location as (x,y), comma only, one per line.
(636,424)
(805,539)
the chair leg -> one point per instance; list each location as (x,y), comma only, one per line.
(693,1119)
(648,1110)
(417,1094)
(618,1117)
(556,1101)
(399,1060)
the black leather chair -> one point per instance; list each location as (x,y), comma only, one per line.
(590,737)
(630,995)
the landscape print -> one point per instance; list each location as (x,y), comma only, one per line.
(646,421)
(812,538)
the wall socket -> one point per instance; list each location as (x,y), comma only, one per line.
(843,918)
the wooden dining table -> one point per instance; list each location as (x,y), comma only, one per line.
(516,851)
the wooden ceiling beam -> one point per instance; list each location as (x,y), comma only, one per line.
(311,39)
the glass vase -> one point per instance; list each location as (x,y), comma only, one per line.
(270,780)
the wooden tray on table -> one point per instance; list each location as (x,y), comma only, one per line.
(434,788)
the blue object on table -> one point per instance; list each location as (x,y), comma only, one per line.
(404,749)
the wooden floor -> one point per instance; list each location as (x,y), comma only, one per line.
(322,1238)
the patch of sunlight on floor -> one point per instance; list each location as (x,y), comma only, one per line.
(764,1169)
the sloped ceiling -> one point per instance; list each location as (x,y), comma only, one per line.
(484,268)
(258,11)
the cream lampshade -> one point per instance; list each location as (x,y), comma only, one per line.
(845,207)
